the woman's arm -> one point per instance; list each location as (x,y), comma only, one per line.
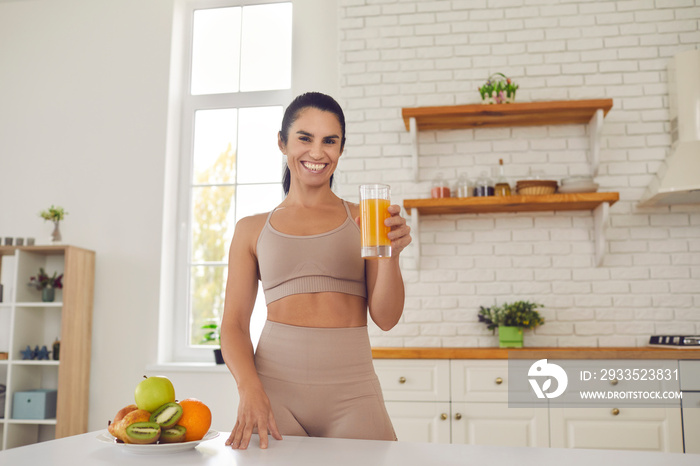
(385,289)
(254,409)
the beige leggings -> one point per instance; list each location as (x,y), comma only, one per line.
(321,382)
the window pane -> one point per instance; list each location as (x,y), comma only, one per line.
(212,222)
(259,157)
(266,49)
(214,159)
(216,43)
(207,293)
(257,198)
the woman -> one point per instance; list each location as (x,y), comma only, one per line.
(312,373)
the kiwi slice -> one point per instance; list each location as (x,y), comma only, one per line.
(174,434)
(167,415)
(142,433)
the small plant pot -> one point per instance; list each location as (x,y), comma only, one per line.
(218,357)
(48,294)
(510,337)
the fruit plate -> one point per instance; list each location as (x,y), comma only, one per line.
(155,449)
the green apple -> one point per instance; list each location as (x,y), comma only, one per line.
(153,392)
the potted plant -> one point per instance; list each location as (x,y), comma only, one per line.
(499,89)
(213,337)
(55,215)
(47,285)
(511,319)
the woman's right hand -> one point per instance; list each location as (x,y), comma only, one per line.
(254,411)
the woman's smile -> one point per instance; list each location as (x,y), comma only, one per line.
(314,167)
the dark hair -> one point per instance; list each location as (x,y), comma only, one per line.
(316,100)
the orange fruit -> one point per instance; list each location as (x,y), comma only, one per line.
(196,418)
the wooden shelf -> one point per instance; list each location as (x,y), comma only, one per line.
(563,112)
(475,205)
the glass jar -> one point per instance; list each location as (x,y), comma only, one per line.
(483,186)
(440,187)
(463,186)
(502,187)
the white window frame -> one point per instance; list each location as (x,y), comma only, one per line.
(314,31)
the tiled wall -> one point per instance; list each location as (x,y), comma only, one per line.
(405,53)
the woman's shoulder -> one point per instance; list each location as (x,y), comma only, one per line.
(354,208)
(252,225)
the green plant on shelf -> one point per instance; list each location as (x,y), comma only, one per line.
(522,314)
(54,214)
(42,280)
(499,89)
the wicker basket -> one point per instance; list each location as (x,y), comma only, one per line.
(536,187)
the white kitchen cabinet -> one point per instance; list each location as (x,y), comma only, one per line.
(420,421)
(466,401)
(498,424)
(646,429)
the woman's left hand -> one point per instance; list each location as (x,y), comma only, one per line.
(400,234)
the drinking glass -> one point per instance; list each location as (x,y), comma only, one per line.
(374,209)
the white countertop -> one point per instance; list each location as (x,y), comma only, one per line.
(85,449)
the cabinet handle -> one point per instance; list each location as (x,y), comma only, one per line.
(615,411)
(458,416)
(614,382)
(443,416)
(499,381)
(402,379)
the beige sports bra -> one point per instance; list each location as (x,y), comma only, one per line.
(327,261)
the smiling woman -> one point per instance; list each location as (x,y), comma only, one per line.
(318,290)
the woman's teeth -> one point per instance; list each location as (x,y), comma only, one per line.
(314,166)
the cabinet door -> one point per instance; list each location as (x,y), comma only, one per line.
(476,380)
(497,424)
(650,429)
(420,421)
(414,379)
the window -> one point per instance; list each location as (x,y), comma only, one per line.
(236,79)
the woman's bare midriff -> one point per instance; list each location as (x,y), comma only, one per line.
(325,310)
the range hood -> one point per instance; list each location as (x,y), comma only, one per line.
(678,179)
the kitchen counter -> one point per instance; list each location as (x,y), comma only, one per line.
(298,451)
(645,352)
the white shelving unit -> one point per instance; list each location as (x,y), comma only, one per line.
(26,321)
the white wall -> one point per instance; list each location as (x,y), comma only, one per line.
(424,53)
(83,101)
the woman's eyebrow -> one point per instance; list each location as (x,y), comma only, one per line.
(305,133)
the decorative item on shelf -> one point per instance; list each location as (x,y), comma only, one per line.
(27,354)
(8,241)
(3,355)
(54,214)
(213,337)
(440,187)
(464,186)
(499,89)
(43,354)
(510,320)
(47,285)
(56,349)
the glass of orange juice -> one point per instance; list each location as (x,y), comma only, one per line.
(374,209)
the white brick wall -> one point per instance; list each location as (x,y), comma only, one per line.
(404,53)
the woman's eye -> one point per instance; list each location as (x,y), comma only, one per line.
(304,138)
(329,141)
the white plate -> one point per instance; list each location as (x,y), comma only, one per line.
(154,449)
(578,188)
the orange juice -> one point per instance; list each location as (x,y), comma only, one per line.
(374,232)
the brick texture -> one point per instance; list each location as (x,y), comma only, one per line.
(406,53)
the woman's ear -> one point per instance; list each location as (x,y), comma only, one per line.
(280,144)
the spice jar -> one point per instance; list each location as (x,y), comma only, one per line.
(483,186)
(463,186)
(440,187)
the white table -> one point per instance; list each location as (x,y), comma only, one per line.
(302,451)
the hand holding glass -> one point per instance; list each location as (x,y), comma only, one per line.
(374,210)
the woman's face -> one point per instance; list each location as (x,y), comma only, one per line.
(313,146)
